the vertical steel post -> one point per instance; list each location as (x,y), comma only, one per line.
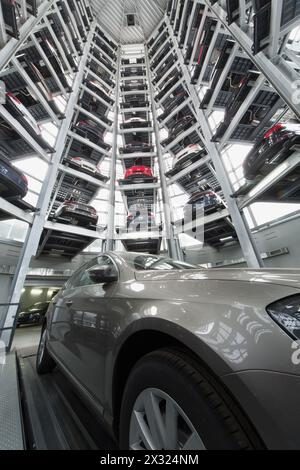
(172,239)
(247,243)
(113,168)
(34,233)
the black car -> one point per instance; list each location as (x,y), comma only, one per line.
(134,147)
(269,152)
(33,315)
(275,147)
(13,184)
(242,90)
(207,200)
(168,85)
(100,90)
(77,214)
(180,126)
(216,233)
(90,130)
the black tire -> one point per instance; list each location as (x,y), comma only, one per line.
(44,362)
(194,391)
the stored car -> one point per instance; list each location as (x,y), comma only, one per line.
(208,200)
(15,104)
(90,130)
(134,147)
(186,155)
(177,357)
(135,122)
(141,220)
(33,315)
(13,184)
(275,147)
(100,90)
(77,213)
(82,164)
(139,173)
(179,127)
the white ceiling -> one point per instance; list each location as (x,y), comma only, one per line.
(111,15)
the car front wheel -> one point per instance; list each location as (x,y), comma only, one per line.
(170,403)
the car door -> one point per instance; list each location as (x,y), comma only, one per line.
(89,307)
(60,321)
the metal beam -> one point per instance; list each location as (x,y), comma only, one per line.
(189,169)
(35,90)
(246,241)
(30,246)
(277,71)
(16,212)
(13,45)
(113,168)
(83,176)
(23,133)
(172,240)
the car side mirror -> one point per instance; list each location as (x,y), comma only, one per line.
(103,275)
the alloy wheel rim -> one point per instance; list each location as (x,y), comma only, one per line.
(159,423)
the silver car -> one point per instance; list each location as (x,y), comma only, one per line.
(172,356)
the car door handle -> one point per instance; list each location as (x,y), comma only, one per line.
(69,303)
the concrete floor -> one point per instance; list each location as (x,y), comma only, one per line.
(26,337)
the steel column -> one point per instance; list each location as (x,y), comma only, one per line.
(172,241)
(245,237)
(113,169)
(30,246)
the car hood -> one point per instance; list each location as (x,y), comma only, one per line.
(284,277)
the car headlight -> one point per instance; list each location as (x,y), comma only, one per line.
(286,313)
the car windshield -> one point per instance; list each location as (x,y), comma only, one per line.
(149,263)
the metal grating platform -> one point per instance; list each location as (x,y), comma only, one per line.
(55,418)
(11,429)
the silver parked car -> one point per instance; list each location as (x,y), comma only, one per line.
(173,356)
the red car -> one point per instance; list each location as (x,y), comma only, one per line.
(139,172)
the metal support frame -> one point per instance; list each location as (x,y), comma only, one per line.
(277,71)
(35,90)
(172,240)
(13,45)
(110,244)
(245,237)
(31,243)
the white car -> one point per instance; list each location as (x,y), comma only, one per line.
(186,154)
(135,120)
(81,164)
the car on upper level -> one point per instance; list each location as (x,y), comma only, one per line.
(181,125)
(135,122)
(172,356)
(76,213)
(136,147)
(275,147)
(187,156)
(100,90)
(141,220)
(206,202)
(277,144)
(139,174)
(15,104)
(89,129)
(85,166)
(13,183)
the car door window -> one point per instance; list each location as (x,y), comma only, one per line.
(86,279)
